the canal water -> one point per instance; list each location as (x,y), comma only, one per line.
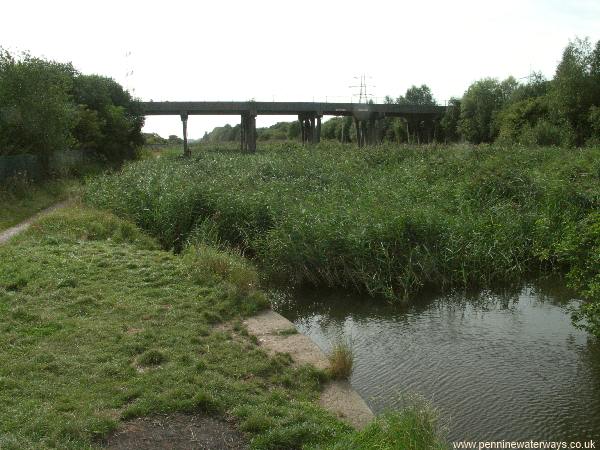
(495,365)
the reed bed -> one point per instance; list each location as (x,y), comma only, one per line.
(388,220)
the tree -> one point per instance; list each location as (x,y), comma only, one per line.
(449,122)
(331,128)
(536,86)
(119,120)
(294,130)
(417,128)
(36,112)
(479,107)
(154,139)
(594,119)
(575,87)
(417,95)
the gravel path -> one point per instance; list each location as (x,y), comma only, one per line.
(13,231)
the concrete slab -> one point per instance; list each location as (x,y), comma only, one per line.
(273,332)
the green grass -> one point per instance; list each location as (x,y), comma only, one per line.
(20,200)
(99,325)
(413,428)
(389,220)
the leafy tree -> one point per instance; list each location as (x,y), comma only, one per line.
(88,128)
(449,122)
(331,128)
(575,87)
(175,140)
(154,138)
(417,128)
(118,118)
(479,107)
(278,132)
(417,95)
(508,88)
(36,112)
(294,130)
(516,116)
(536,86)
(594,119)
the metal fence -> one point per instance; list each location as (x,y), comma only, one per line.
(30,166)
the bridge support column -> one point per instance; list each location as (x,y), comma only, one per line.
(318,130)
(374,130)
(248,133)
(186,149)
(362,132)
(378,130)
(310,127)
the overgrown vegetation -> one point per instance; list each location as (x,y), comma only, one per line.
(387,220)
(100,326)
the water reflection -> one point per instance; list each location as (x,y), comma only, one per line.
(504,364)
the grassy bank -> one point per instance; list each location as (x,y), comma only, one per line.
(20,200)
(99,325)
(387,220)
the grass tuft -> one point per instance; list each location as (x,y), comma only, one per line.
(151,358)
(341,361)
(413,428)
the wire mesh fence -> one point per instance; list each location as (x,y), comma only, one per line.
(31,167)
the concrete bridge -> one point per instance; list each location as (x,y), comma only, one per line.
(366,116)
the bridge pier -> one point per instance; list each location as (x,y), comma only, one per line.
(367,130)
(361,132)
(310,127)
(186,149)
(318,130)
(248,132)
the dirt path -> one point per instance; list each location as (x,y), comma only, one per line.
(177,431)
(13,231)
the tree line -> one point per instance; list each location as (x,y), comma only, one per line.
(563,111)
(47,106)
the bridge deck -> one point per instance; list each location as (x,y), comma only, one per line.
(285,108)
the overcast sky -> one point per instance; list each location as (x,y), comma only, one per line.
(295,50)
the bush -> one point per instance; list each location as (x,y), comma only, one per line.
(546,133)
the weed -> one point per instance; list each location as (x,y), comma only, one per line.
(151,358)
(287,332)
(341,360)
